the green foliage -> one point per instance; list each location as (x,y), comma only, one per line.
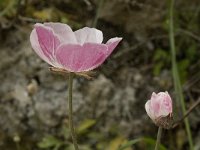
(101,143)
(192,51)
(161,57)
(129,144)
(8,8)
(150,142)
(50,142)
(176,77)
(4,3)
(182,68)
(56,143)
(85,125)
(117,142)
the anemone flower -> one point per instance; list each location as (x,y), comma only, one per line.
(159,108)
(78,51)
(72,52)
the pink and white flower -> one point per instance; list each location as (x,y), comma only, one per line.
(78,51)
(159,108)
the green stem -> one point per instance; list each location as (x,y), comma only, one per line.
(18,146)
(176,78)
(71,126)
(158,138)
(97,13)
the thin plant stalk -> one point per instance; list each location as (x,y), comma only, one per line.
(176,78)
(158,138)
(71,126)
(17,139)
(18,146)
(94,24)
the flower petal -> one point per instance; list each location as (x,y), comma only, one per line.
(77,58)
(89,35)
(155,106)
(169,99)
(36,47)
(63,31)
(148,109)
(47,40)
(166,105)
(164,111)
(112,43)
(153,96)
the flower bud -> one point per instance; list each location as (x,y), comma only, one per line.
(159,109)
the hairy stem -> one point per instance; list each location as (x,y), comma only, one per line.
(71,126)
(158,138)
(177,83)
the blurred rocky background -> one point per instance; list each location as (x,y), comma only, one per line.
(109,109)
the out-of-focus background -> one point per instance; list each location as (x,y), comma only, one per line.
(108,110)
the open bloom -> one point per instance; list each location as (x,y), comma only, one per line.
(77,51)
(159,109)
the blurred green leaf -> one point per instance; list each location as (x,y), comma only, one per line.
(152,142)
(45,14)
(129,144)
(8,8)
(85,147)
(4,3)
(65,132)
(161,57)
(191,51)
(157,68)
(50,141)
(182,68)
(161,54)
(117,142)
(70,147)
(149,141)
(86,124)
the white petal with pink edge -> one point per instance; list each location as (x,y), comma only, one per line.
(63,31)
(36,47)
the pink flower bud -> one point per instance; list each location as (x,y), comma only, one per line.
(159,109)
(78,51)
